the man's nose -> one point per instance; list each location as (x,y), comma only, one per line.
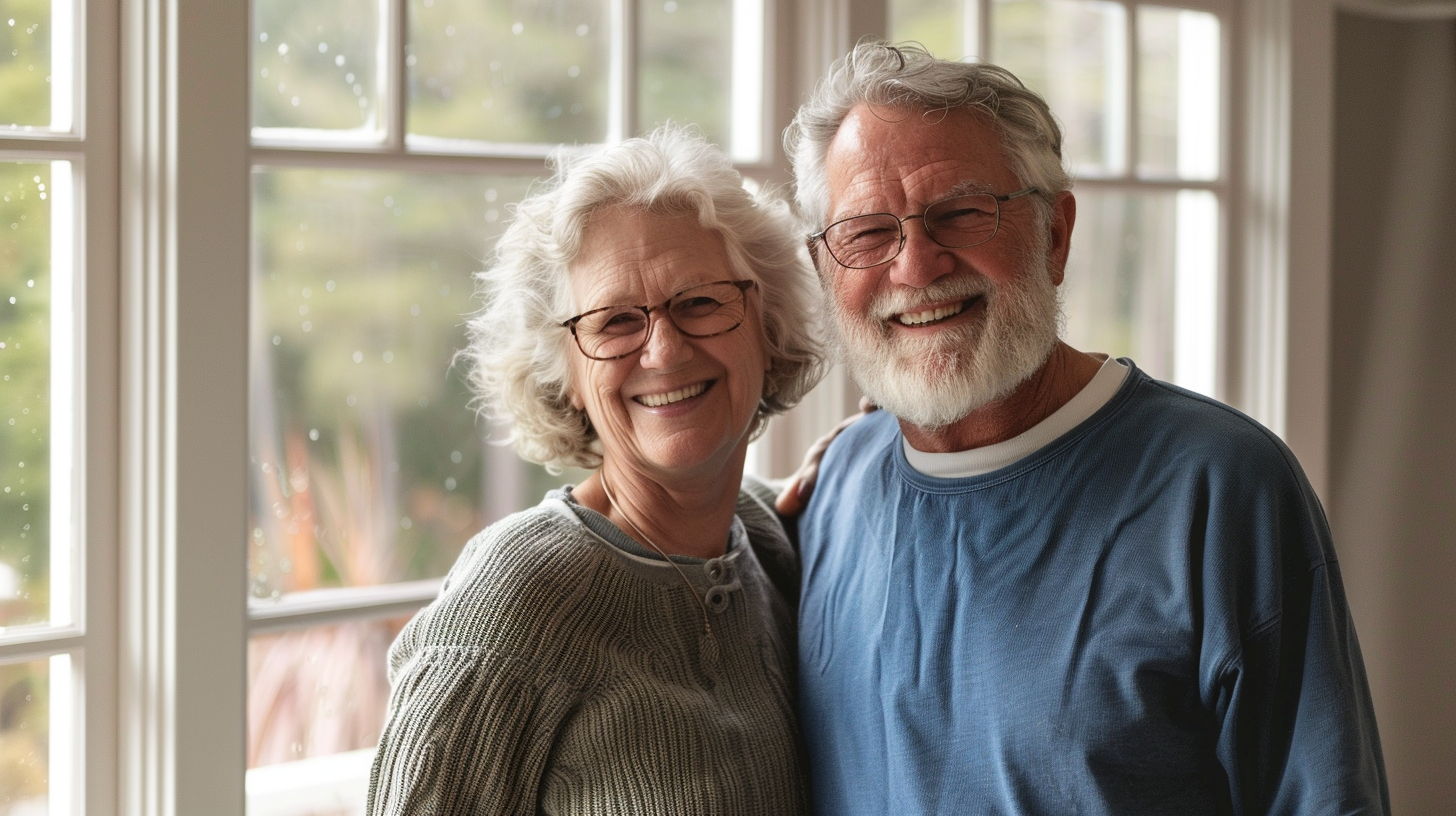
(921,260)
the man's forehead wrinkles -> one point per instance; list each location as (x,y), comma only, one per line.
(878,188)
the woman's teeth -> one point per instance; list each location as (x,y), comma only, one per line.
(659,400)
(921,318)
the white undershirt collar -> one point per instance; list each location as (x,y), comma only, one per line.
(977,461)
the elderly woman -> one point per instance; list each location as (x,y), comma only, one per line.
(627,645)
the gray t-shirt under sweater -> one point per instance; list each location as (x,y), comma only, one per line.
(563,670)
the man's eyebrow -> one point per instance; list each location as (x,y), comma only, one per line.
(969,188)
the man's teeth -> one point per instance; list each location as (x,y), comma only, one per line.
(919,318)
(659,400)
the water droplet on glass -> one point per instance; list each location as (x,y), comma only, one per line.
(450,483)
(262,36)
(456,457)
(517,28)
(323,48)
(582,30)
(358,356)
(406,523)
(277,340)
(313,434)
(283,49)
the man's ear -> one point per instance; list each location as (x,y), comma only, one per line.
(1064,216)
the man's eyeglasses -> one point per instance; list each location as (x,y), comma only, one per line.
(863,241)
(612,332)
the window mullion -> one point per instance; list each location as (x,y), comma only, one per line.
(982,44)
(184,199)
(1131,148)
(622,91)
(394,44)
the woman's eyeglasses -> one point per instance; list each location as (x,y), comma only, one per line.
(612,332)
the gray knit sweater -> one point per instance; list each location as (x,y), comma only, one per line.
(559,673)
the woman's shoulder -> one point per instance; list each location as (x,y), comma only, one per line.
(527,561)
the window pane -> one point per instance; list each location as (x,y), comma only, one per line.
(1142,282)
(368,464)
(944,27)
(318,691)
(316,704)
(25,63)
(504,71)
(316,64)
(25,392)
(25,737)
(685,62)
(1178,89)
(1073,53)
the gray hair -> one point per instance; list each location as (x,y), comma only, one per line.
(878,73)
(518,350)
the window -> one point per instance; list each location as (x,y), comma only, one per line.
(1139,91)
(389,140)
(56,279)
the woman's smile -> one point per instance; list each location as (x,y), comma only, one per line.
(658,400)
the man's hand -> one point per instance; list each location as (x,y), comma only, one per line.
(800,486)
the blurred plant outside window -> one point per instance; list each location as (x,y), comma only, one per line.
(1138,89)
(38,206)
(385,164)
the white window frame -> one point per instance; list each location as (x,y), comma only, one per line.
(84,388)
(165,426)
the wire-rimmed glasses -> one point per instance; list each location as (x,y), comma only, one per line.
(863,241)
(613,332)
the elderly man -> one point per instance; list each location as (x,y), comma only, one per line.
(1039,581)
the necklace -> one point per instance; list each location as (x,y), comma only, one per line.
(707,627)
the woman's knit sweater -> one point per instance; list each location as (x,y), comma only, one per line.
(559,673)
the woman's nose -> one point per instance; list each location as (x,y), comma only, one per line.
(666,346)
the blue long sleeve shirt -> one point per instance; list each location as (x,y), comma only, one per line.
(1145,616)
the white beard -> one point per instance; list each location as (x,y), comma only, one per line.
(934,381)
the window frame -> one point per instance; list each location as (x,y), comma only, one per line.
(89,467)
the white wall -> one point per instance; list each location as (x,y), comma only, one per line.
(1393,388)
